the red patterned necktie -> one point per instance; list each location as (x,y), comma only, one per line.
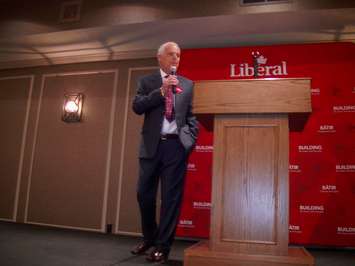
(169,105)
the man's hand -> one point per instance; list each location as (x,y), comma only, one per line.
(168,82)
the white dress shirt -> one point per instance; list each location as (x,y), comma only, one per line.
(168,127)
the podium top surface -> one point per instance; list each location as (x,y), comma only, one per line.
(291,95)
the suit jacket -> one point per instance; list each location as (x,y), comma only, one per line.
(151,103)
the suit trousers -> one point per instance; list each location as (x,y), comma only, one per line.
(169,166)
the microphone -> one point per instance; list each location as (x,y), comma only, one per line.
(173,72)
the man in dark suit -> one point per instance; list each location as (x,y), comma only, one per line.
(168,135)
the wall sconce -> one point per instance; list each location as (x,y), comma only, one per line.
(72,107)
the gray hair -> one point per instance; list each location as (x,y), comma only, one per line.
(162,47)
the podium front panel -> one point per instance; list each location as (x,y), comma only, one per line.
(250,184)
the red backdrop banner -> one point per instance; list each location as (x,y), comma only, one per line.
(322,155)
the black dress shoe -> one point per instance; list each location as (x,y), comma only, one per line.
(157,255)
(141,248)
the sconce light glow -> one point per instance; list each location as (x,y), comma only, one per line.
(72,107)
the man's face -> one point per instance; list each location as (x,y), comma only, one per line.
(169,57)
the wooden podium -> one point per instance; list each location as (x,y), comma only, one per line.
(249,216)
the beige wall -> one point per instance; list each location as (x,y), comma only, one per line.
(73,175)
(15,95)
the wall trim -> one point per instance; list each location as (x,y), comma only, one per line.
(66,227)
(124,136)
(98,57)
(108,159)
(23,142)
(7,220)
(109,151)
(125,233)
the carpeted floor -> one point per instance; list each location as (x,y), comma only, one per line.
(29,245)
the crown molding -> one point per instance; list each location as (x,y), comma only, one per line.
(59,60)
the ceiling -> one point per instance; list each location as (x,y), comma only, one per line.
(139,40)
